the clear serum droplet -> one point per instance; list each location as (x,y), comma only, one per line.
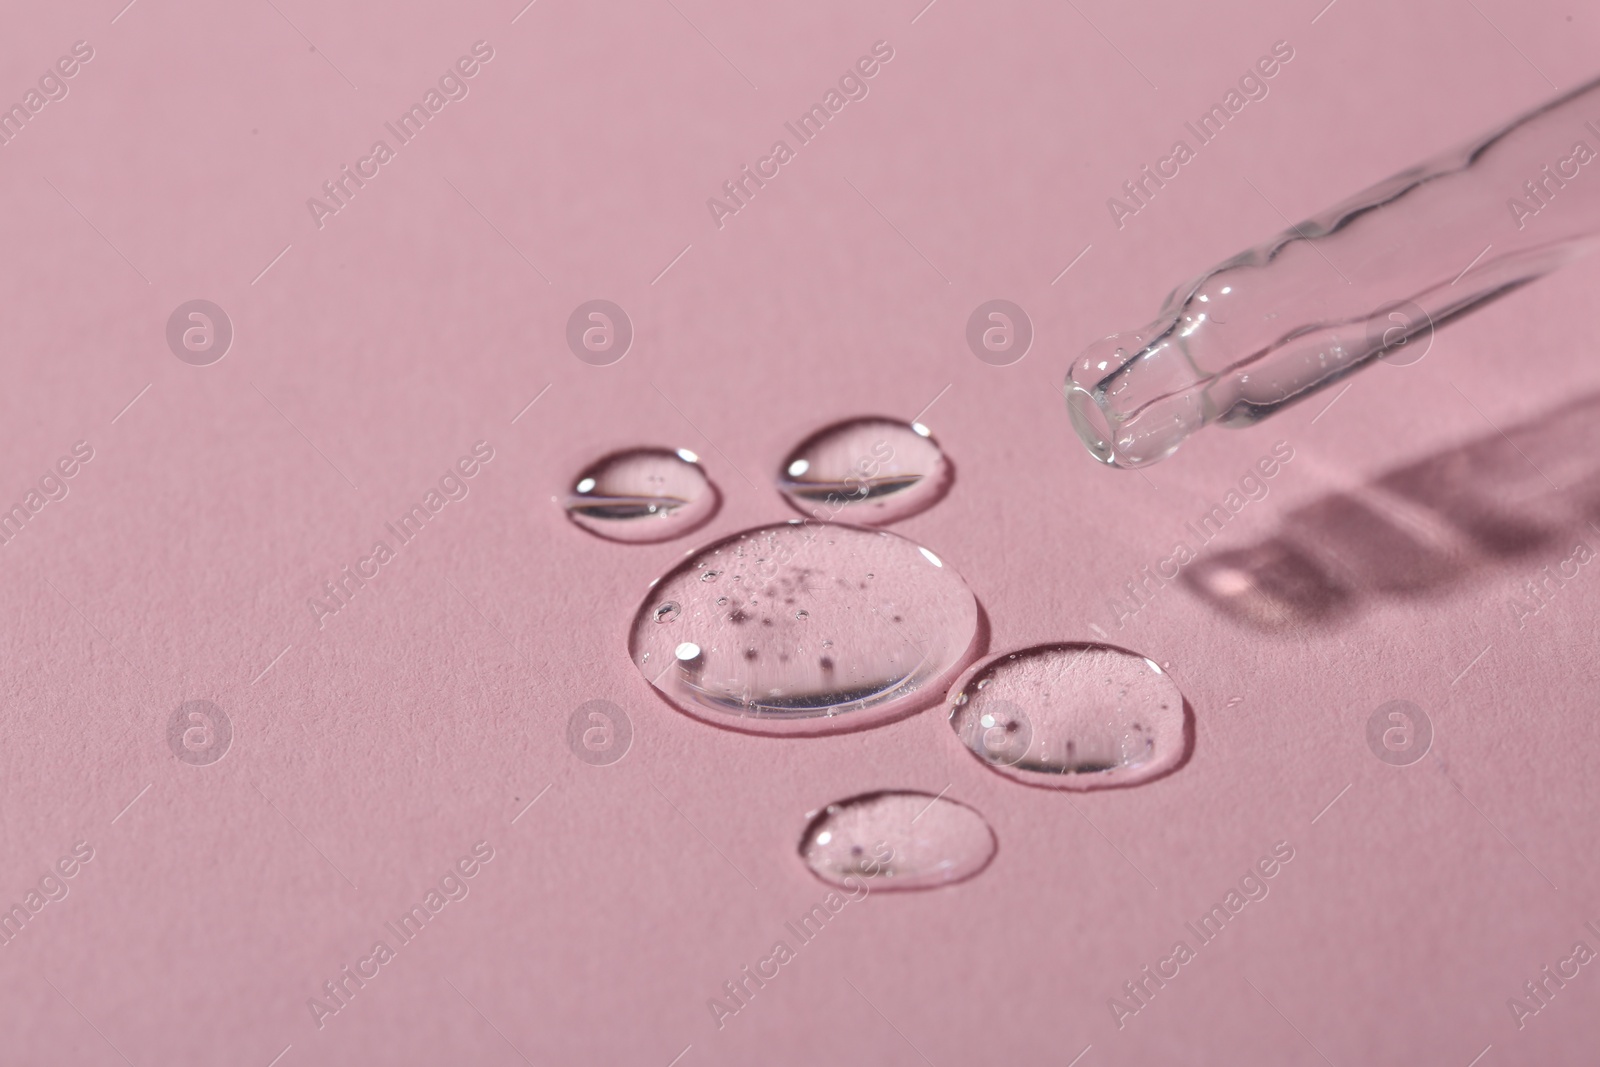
(642,495)
(897,840)
(1072,716)
(814,648)
(870,471)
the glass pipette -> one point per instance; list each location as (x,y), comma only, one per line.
(1360,281)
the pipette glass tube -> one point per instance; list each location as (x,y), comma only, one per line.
(1362,280)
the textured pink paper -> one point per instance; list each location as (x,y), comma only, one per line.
(373,749)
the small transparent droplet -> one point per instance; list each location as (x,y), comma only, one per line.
(1234,702)
(667,612)
(897,840)
(868,471)
(1073,716)
(807,651)
(642,495)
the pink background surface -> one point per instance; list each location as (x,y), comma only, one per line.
(426,715)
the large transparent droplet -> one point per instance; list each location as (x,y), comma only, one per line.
(642,494)
(869,471)
(805,628)
(896,840)
(1072,716)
